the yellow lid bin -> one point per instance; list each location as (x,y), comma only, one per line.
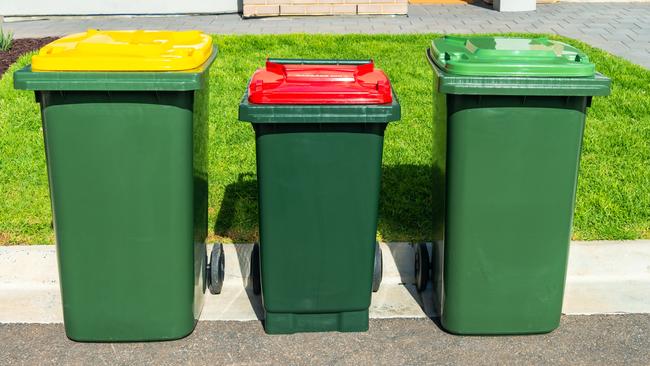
(125,122)
(138,50)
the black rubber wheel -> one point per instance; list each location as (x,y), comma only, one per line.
(255,269)
(422,266)
(216,269)
(379,269)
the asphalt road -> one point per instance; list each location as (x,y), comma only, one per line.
(580,340)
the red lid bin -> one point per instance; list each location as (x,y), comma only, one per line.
(319,135)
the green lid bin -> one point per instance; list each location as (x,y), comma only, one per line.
(509,115)
(127,158)
(319,128)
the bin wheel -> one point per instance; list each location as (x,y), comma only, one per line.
(422,266)
(215,269)
(379,269)
(255,269)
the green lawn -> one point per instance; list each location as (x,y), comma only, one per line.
(614,186)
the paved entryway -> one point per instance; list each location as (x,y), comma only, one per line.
(620,28)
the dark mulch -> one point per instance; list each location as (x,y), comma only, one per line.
(20,47)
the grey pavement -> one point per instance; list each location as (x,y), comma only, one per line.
(580,340)
(620,28)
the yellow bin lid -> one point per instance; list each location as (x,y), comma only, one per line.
(125,51)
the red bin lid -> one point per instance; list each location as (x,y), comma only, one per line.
(290,83)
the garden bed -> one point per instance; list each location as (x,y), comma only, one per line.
(20,47)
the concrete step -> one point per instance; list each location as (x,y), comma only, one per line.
(603,277)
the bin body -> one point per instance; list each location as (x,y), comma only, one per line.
(319,173)
(127,166)
(508,149)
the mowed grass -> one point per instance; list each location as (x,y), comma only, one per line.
(613,198)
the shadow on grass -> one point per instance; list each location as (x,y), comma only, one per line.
(237,217)
(410,207)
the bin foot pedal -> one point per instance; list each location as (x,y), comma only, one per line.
(288,323)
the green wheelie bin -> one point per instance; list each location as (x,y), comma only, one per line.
(124,118)
(509,115)
(319,129)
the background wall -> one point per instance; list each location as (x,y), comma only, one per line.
(88,7)
(263,8)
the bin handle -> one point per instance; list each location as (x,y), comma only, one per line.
(430,58)
(279,66)
(301,61)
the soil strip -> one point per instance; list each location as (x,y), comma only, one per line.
(20,47)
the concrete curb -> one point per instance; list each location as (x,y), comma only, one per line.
(603,277)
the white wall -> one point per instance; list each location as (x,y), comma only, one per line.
(88,7)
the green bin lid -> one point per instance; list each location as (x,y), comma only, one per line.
(504,56)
